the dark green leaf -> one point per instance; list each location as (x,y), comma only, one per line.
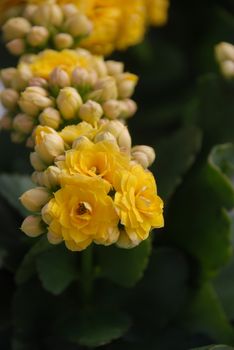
(214,347)
(124,266)
(57,268)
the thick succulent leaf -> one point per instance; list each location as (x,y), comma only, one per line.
(124,266)
(214,347)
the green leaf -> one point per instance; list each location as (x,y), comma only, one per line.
(205,315)
(124,266)
(57,268)
(96,327)
(12,187)
(28,265)
(175,155)
(214,347)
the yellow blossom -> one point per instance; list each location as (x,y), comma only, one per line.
(81,213)
(102,159)
(139,207)
(71,132)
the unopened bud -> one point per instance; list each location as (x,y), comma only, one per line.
(35,199)
(54,238)
(112,109)
(126,83)
(9,99)
(227,69)
(143,155)
(90,112)
(22,77)
(50,117)
(114,68)
(69,10)
(63,41)
(127,242)
(23,123)
(16,28)
(37,36)
(107,89)
(82,78)
(49,178)
(100,66)
(36,162)
(224,52)
(120,132)
(7,75)
(17,137)
(6,122)
(33,100)
(29,11)
(105,136)
(33,226)
(78,25)
(49,144)
(128,108)
(69,102)
(48,15)
(37,81)
(79,141)
(16,46)
(58,79)
(45,212)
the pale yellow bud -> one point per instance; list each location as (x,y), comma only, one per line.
(63,41)
(36,162)
(23,123)
(112,109)
(227,69)
(50,178)
(35,199)
(46,217)
(33,226)
(33,100)
(53,238)
(105,136)
(9,99)
(21,78)
(100,66)
(120,132)
(126,83)
(17,137)
(90,112)
(58,79)
(69,10)
(49,144)
(128,108)
(224,52)
(79,141)
(50,117)
(6,122)
(16,46)
(39,82)
(82,78)
(114,68)
(78,25)
(107,89)
(16,28)
(112,237)
(144,155)
(37,36)
(48,15)
(69,102)
(125,242)
(7,75)
(29,12)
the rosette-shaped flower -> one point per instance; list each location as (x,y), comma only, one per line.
(58,88)
(98,25)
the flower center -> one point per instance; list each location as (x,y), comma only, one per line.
(83,208)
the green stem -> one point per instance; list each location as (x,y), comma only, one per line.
(87,273)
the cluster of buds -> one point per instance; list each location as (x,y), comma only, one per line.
(45,25)
(88,90)
(224,53)
(96,158)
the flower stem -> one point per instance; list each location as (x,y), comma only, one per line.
(87,273)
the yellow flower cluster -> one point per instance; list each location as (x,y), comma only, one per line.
(58,88)
(100,26)
(90,189)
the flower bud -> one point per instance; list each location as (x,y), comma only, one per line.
(125,242)
(143,155)
(69,102)
(36,162)
(7,75)
(63,41)
(105,136)
(53,238)
(82,78)
(33,226)
(39,82)
(49,178)
(99,66)
(29,11)
(50,117)
(107,89)
(120,132)
(48,15)
(112,109)
(69,10)
(23,123)
(49,144)
(16,28)
(114,68)
(46,217)
(224,52)
(128,108)
(16,47)
(22,77)
(6,122)
(17,137)
(33,100)
(79,140)
(78,25)
(227,69)
(58,79)
(35,199)
(9,99)
(37,36)
(126,83)
(90,112)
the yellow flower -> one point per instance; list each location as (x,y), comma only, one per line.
(67,60)
(157,11)
(82,212)
(102,159)
(139,207)
(71,132)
